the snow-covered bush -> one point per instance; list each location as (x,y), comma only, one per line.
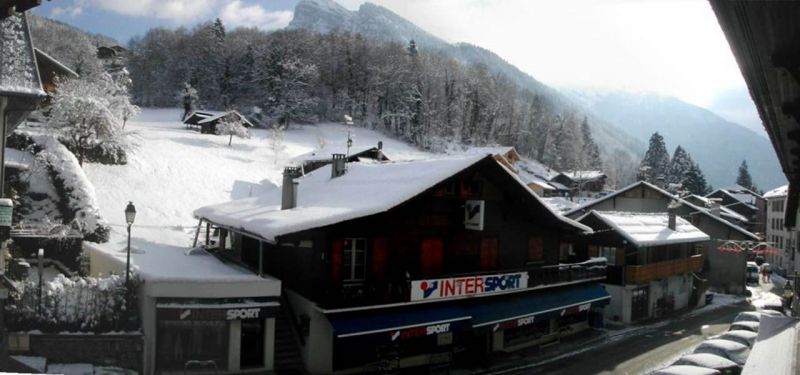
(89,112)
(78,304)
(231,127)
(78,203)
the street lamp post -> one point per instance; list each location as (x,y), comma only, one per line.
(130,215)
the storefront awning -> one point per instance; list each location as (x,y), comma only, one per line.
(524,309)
(406,323)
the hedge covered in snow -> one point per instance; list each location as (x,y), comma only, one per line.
(78,202)
(78,304)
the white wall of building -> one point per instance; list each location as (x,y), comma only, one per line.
(318,349)
(782,238)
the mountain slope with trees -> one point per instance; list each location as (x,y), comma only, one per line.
(715,143)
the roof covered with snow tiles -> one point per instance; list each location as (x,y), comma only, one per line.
(705,211)
(584,175)
(366,189)
(18,73)
(649,229)
(781,191)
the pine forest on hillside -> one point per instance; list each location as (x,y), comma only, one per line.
(297,76)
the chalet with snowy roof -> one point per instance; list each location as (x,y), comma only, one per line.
(723,269)
(651,259)
(110,52)
(414,263)
(206,121)
(745,202)
(582,181)
(316,159)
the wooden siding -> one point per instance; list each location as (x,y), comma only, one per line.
(656,271)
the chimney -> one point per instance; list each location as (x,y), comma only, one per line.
(338,165)
(380,150)
(715,208)
(289,188)
(672,215)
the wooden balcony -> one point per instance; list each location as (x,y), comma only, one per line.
(656,271)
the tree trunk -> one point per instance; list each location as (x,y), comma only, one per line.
(230,140)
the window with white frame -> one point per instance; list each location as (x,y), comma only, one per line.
(354,257)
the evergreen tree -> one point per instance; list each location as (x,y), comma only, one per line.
(679,165)
(695,182)
(590,150)
(744,180)
(656,159)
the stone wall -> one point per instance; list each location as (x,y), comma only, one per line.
(123,350)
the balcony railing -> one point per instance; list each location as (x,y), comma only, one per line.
(344,295)
(655,271)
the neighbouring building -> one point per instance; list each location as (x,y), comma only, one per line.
(582,183)
(198,313)
(206,121)
(403,264)
(20,92)
(725,271)
(316,159)
(782,238)
(745,202)
(651,260)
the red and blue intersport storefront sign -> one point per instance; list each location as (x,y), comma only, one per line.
(467,286)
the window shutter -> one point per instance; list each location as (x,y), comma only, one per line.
(336,260)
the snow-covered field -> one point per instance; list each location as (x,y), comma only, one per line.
(173,171)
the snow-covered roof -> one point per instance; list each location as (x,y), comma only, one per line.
(584,175)
(217,115)
(42,56)
(491,150)
(724,211)
(18,73)
(649,229)
(586,206)
(781,191)
(327,152)
(560,204)
(775,351)
(366,189)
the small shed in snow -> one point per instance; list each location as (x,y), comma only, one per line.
(206,121)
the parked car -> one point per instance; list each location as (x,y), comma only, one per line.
(771,313)
(752,273)
(748,316)
(712,361)
(686,370)
(741,336)
(731,350)
(747,326)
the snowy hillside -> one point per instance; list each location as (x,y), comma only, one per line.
(174,171)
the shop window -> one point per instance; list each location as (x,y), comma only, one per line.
(252,343)
(378,257)
(181,341)
(527,333)
(535,249)
(431,257)
(354,259)
(488,254)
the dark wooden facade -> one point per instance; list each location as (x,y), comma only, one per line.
(425,238)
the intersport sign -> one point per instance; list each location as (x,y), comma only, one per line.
(424,290)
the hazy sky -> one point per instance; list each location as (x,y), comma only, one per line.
(673,47)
